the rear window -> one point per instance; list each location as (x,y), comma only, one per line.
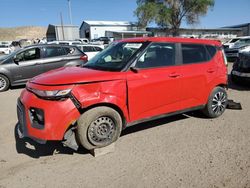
(98,48)
(54,51)
(70,50)
(194,53)
(88,49)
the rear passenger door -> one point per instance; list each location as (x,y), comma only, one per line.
(154,89)
(53,57)
(198,70)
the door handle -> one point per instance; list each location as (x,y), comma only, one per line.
(174,75)
(211,70)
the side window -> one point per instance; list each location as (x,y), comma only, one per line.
(30,54)
(69,50)
(211,50)
(98,49)
(194,53)
(54,51)
(88,49)
(157,55)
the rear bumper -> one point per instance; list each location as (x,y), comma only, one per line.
(240,74)
(58,116)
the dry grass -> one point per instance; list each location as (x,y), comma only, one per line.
(27,32)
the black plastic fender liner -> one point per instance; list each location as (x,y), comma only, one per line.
(70,139)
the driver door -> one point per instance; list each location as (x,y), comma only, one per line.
(154,89)
(26,65)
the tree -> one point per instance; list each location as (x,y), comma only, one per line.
(170,13)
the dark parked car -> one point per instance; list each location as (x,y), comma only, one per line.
(241,69)
(21,65)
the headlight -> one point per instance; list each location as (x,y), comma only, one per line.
(53,94)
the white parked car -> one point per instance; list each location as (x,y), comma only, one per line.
(231,42)
(6,48)
(90,50)
(239,46)
(84,40)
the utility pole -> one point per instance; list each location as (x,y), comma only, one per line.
(62,25)
(70,15)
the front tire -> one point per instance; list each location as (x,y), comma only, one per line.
(217,103)
(4,83)
(99,127)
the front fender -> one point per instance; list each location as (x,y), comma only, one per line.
(103,92)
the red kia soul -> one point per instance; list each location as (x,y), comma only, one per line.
(131,81)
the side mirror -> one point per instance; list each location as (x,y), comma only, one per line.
(16,59)
(134,69)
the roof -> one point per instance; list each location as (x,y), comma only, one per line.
(173,39)
(45,45)
(108,23)
(199,29)
(51,25)
(131,32)
(238,26)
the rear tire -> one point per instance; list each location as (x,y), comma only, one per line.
(99,127)
(217,103)
(4,83)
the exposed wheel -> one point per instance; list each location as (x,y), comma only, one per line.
(99,127)
(217,103)
(4,83)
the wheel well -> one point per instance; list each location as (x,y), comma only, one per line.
(113,106)
(6,77)
(223,86)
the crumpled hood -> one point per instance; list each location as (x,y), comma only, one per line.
(75,75)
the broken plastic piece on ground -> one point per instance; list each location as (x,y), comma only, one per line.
(103,151)
(233,105)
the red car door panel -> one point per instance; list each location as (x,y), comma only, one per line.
(153,92)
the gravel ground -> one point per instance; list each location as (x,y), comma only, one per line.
(181,151)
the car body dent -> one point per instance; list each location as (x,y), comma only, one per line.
(103,92)
(54,130)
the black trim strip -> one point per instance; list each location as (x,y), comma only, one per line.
(164,115)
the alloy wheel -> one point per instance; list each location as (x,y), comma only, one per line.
(3,83)
(219,102)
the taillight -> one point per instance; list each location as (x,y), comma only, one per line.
(224,57)
(84,58)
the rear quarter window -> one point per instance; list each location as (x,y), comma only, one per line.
(194,53)
(211,50)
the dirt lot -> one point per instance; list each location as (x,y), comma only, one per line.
(181,151)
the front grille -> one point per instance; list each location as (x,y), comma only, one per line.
(21,117)
(232,51)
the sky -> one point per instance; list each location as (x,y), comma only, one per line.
(43,12)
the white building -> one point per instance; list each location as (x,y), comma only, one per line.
(115,29)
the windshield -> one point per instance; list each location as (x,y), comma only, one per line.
(115,57)
(233,40)
(243,41)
